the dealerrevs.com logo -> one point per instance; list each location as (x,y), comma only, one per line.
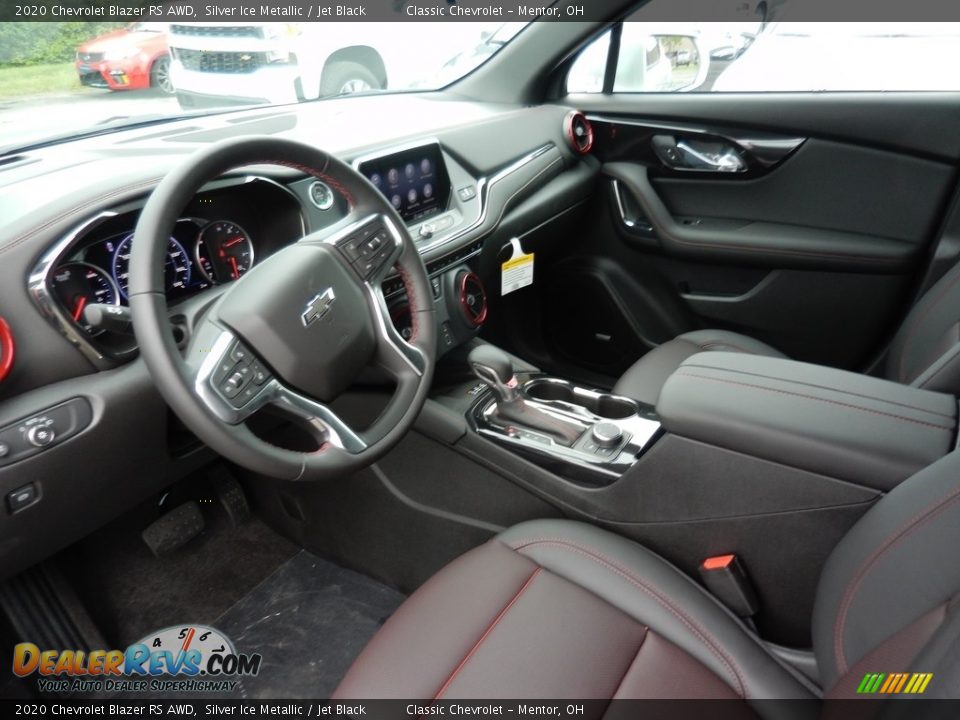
(183,658)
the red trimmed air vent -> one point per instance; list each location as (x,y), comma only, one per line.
(6,349)
(579,132)
(472,298)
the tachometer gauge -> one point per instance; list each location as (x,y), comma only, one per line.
(176,271)
(224,251)
(79,284)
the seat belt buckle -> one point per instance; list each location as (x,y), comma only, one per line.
(726,578)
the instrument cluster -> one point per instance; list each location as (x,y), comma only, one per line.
(200,253)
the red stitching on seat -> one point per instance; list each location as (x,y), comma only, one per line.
(848,595)
(486,633)
(614,567)
(818,399)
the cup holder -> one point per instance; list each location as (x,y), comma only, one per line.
(615,408)
(609,407)
(542,390)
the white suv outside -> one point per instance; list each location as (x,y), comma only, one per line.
(271,63)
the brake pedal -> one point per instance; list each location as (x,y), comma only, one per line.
(174,530)
(230,495)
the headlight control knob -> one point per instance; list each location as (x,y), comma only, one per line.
(40,435)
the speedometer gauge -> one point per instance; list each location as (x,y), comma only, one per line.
(224,251)
(79,284)
(176,270)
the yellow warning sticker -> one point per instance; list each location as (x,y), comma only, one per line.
(516,273)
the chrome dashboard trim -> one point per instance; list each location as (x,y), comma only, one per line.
(38,281)
(40,289)
(484,184)
(621,210)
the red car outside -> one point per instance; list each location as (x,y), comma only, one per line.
(131,58)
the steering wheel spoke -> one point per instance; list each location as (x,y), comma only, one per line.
(235,384)
(396,356)
(323,421)
(295,331)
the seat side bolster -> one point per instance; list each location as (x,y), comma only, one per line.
(657,594)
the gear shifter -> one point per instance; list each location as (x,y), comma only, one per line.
(494,367)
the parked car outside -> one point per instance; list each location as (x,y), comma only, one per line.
(131,58)
(271,63)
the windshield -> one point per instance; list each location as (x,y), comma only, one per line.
(62,79)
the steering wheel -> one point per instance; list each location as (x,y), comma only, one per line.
(296,330)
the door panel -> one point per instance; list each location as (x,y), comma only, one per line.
(816,249)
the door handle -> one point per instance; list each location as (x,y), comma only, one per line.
(726,160)
(698,155)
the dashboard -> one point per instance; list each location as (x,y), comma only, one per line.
(494,173)
(81,282)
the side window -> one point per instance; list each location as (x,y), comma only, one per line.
(652,58)
(768,52)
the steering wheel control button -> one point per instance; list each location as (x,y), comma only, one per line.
(41,435)
(239,354)
(351,248)
(22,498)
(369,265)
(237,381)
(363,243)
(260,374)
(606,434)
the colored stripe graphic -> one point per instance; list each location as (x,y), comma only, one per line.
(894,683)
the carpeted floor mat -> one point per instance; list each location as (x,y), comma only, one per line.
(131,593)
(307,617)
(309,620)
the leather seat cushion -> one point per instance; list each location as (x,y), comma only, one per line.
(642,380)
(559,609)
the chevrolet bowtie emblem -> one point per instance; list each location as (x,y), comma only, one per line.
(317,307)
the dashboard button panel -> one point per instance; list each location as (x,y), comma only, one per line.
(43,430)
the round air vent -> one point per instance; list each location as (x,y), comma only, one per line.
(473,299)
(579,132)
(6,349)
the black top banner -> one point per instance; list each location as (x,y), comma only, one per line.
(465,10)
(568,709)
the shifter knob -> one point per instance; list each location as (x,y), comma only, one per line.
(494,367)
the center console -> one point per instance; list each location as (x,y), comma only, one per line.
(738,408)
(585,435)
(861,429)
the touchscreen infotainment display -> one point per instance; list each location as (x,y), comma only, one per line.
(415,181)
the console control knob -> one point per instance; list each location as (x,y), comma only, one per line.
(606,434)
(40,435)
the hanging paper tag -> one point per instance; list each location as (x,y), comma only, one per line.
(517,272)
